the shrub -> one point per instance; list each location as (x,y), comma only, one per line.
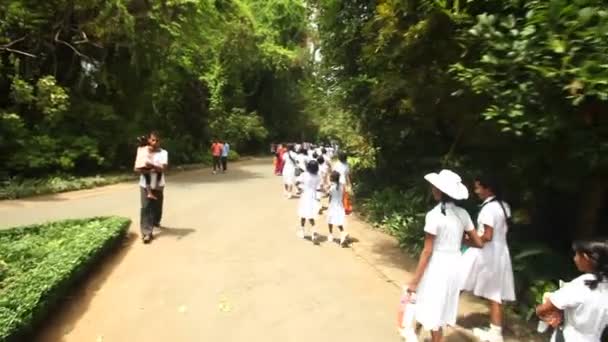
(233,155)
(18,188)
(400,213)
(40,263)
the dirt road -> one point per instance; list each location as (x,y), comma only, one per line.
(228,268)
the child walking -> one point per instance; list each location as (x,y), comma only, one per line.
(488,271)
(582,304)
(336,215)
(143,161)
(308,207)
(436,281)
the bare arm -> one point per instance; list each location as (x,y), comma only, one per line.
(423,262)
(488,233)
(549,313)
(474,239)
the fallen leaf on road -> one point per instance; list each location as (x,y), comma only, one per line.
(224,306)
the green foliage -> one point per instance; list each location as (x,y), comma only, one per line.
(239,128)
(39,264)
(400,213)
(79,88)
(516,89)
(19,188)
(233,155)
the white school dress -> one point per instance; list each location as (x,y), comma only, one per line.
(308,207)
(343,170)
(585,310)
(488,272)
(289,168)
(335,213)
(439,289)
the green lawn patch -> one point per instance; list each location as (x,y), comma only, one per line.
(39,264)
(19,188)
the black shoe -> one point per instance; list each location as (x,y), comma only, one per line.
(147,238)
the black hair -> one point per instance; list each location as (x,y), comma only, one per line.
(154,133)
(445,199)
(321,160)
(490,182)
(312,167)
(142,141)
(335,178)
(315,155)
(342,157)
(323,150)
(597,251)
(290,147)
(303,151)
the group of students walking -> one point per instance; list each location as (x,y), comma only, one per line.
(578,310)
(313,175)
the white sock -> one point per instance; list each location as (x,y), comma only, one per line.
(495,329)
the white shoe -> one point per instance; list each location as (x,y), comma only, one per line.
(409,335)
(330,238)
(313,237)
(300,233)
(485,335)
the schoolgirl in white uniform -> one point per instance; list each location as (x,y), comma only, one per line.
(579,310)
(336,216)
(437,281)
(308,206)
(289,171)
(488,272)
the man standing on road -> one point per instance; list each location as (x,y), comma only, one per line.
(225,151)
(151,210)
(216,152)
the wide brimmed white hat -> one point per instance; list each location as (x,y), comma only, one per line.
(449,183)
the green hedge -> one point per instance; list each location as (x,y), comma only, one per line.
(39,264)
(19,188)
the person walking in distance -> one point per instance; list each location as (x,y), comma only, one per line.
(224,156)
(216,152)
(151,210)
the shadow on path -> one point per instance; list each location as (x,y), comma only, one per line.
(177,233)
(69,310)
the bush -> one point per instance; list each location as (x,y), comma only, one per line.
(40,263)
(400,213)
(18,188)
(233,155)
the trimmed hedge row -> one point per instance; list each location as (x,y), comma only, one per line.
(13,189)
(39,264)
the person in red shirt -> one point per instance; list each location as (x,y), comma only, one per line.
(278,170)
(216,152)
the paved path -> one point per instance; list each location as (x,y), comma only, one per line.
(228,268)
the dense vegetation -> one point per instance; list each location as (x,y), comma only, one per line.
(39,264)
(514,88)
(510,87)
(79,80)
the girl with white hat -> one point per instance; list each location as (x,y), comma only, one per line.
(437,281)
(488,272)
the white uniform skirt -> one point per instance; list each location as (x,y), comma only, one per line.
(438,291)
(289,175)
(488,273)
(308,207)
(335,214)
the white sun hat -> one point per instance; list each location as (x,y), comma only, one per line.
(449,183)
